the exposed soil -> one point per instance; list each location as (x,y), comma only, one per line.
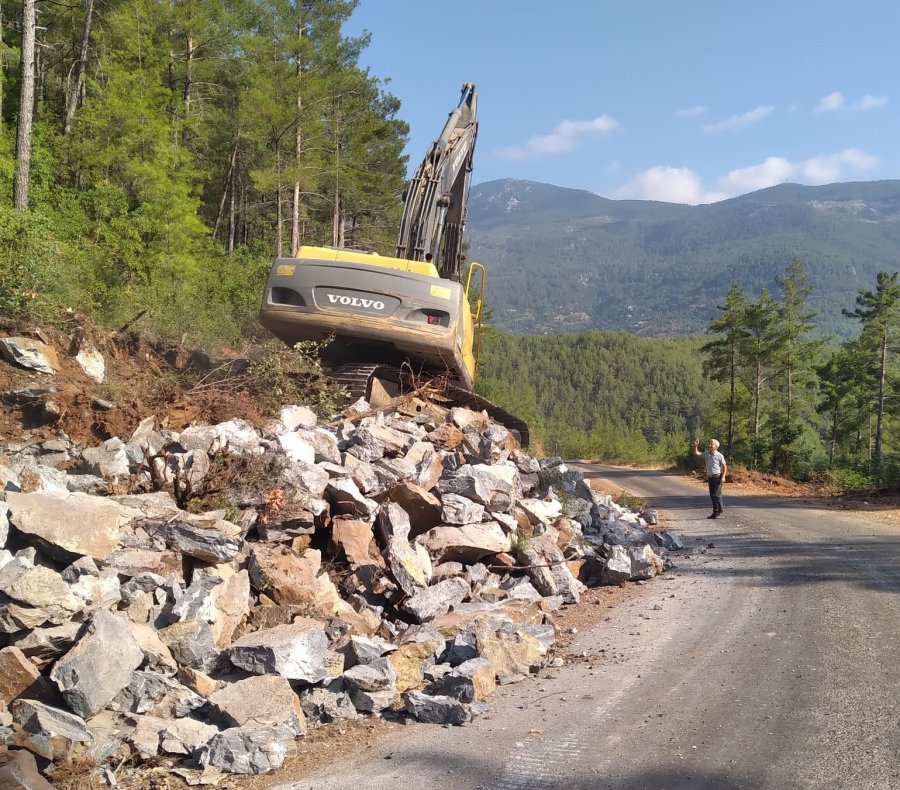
(143,378)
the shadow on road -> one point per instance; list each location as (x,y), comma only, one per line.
(864,562)
(483,775)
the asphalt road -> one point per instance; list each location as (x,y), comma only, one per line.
(768,659)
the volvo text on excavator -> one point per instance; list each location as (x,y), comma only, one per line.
(381,315)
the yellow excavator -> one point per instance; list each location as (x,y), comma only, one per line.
(382,316)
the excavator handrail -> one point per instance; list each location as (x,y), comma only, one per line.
(477,317)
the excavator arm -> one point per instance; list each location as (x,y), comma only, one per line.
(434,212)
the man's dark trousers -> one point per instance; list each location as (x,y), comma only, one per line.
(715,494)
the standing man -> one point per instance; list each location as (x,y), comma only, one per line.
(716,468)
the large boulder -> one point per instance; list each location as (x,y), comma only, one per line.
(99,666)
(69,525)
(296,651)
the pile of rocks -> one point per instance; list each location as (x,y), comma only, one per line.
(397,563)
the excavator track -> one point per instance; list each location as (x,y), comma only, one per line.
(357,379)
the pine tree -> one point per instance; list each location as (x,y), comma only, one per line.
(725,353)
(879,314)
(760,350)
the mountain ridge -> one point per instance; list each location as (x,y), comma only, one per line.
(564,260)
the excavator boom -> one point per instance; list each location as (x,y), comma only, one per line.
(434,213)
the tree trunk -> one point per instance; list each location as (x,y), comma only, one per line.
(228,186)
(232,219)
(2,73)
(74,96)
(279,231)
(336,208)
(39,70)
(188,60)
(756,412)
(26,107)
(879,455)
(298,151)
(731,404)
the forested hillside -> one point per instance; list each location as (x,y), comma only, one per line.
(779,398)
(600,394)
(167,151)
(563,259)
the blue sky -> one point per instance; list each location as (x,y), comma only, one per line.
(688,102)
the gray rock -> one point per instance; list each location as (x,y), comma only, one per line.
(436,600)
(468,543)
(324,444)
(246,750)
(198,602)
(44,478)
(363,474)
(305,478)
(438,709)
(154,693)
(147,438)
(292,417)
(667,540)
(260,701)
(297,447)
(192,644)
(393,470)
(380,675)
(471,681)
(9,481)
(27,353)
(69,525)
(20,772)
(457,509)
(368,649)
(107,460)
(645,563)
(49,723)
(296,651)
(234,437)
(206,539)
(39,587)
(547,569)
(45,645)
(404,563)
(87,484)
(618,566)
(481,483)
(99,666)
(347,500)
(186,736)
(325,705)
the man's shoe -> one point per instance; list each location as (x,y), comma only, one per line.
(714,515)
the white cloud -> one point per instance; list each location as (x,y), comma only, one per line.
(691,112)
(831,102)
(682,185)
(670,185)
(816,170)
(868,102)
(565,137)
(739,121)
